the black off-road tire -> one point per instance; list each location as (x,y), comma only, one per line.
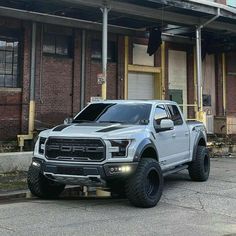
(42,187)
(144,188)
(199,169)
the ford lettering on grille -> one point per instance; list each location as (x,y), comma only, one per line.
(75,149)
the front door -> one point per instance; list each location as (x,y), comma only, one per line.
(172,145)
(181,133)
(167,149)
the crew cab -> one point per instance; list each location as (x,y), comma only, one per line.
(126,146)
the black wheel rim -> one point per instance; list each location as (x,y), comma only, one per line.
(152,183)
(206,163)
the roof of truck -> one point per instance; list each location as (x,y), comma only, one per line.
(136,101)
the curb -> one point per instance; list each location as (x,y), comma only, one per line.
(14,194)
(70,191)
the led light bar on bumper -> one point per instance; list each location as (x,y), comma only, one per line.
(120,169)
(119,147)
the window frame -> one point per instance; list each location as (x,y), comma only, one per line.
(112,55)
(56,37)
(170,116)
(167,114)
(15,75)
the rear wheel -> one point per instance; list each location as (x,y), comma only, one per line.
(199,169)
(42,187)
(144,188)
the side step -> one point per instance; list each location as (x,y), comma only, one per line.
(175,170)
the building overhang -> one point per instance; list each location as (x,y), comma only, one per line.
(175,18)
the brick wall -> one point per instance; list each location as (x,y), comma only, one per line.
(221,1)
(56,93)
(10,110)
(230,83)
(25,76)
(219,85)
(10,99)
(95,67)
(54,85)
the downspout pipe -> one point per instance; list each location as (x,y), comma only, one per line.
(29,136)
(104,51)
(199,58)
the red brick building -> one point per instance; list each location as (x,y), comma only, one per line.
(68,59)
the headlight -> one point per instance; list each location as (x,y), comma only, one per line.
(41,145)
(119,147)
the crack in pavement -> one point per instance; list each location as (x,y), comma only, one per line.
(7,228)
(202,206)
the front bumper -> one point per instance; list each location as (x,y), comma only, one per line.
(85,175)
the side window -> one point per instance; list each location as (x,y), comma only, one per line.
(160,114)
(175,115)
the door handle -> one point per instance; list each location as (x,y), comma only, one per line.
(173,135)
(186,133)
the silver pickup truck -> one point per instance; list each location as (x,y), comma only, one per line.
(126,146)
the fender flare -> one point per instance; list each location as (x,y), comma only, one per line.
(196,142)
(146,143)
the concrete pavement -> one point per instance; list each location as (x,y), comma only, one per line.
(186,208)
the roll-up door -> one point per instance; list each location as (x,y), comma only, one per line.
(141,86)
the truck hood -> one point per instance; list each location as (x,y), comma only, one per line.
(102,130)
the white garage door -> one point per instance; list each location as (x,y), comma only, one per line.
(140,86)
(178,74)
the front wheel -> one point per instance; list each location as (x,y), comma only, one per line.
(144,188)
(42,187)
(199,169)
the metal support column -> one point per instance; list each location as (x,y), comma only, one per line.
(199,68)
(83,49)
(32,80)
(200,114)
(224,82)
(163,65)
(104,51)
(126,70)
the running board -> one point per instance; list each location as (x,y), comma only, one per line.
(175,170)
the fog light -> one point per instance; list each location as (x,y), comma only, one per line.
(126,169)
(120,169)
(34,163)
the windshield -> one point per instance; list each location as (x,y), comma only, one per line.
(115,113)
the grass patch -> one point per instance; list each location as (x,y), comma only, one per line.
(13,181)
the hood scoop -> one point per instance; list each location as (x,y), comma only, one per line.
(111,129)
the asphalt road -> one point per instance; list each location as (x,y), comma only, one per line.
(186,208)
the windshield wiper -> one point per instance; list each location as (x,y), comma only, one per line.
(83,121)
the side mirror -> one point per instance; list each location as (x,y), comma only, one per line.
(68,120)
(165,125)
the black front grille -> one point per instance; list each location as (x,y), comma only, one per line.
(75,149)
